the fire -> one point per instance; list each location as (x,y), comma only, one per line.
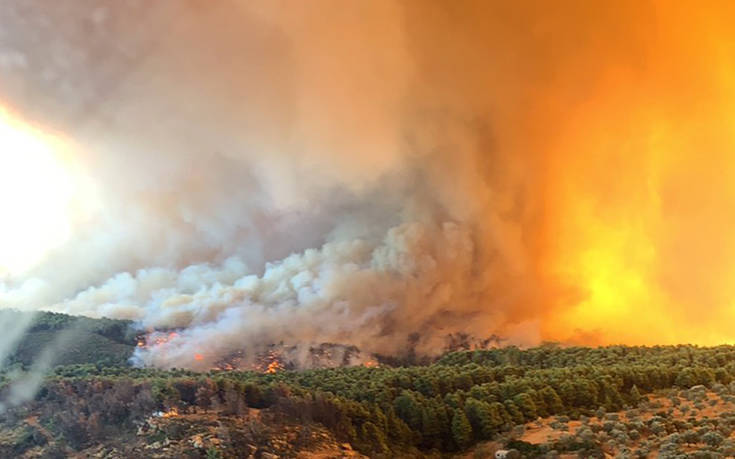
(172,413)
(274,367)
(640,202)
(157,339)
(163,339)
(198,357)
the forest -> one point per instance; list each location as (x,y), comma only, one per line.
(445,407)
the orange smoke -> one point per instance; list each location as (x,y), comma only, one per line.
(640,196)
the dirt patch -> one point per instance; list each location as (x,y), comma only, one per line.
(690,407)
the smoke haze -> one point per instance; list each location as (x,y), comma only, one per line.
(384,174)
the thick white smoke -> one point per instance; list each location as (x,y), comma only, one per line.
(273,173)
(416,283)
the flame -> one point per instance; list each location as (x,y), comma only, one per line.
(198,357)
(640,201)
(155,338)
(274,367)
(172,413)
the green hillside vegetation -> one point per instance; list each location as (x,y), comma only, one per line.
(462,399)
(73,340)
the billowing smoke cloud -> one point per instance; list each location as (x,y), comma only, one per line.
(384,174)
(374,296)
(268,173)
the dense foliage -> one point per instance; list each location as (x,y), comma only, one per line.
(463,398)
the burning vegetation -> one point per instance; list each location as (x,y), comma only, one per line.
(272,359)
(172,413)
(155,338)
(280,357)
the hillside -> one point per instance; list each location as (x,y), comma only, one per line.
(598,402)
(68,340)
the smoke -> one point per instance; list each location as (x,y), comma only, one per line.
(385,174)
(21,387)
(15,325)
(267,174)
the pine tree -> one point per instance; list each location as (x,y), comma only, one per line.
(515,413)
(461,429)
(552,399)
(635,395)
(526,405)
(481,418)
(373,438)
(408,409)
(398,432)
(429,423)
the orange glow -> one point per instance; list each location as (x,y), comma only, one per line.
(640,195)
(198,357)
(172,413)
(157,339)
(274,367)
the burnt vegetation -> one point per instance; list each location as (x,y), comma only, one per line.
(462,399)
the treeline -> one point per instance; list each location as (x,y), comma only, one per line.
(465,398)
(554,356)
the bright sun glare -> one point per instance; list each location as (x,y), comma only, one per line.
(36,190)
